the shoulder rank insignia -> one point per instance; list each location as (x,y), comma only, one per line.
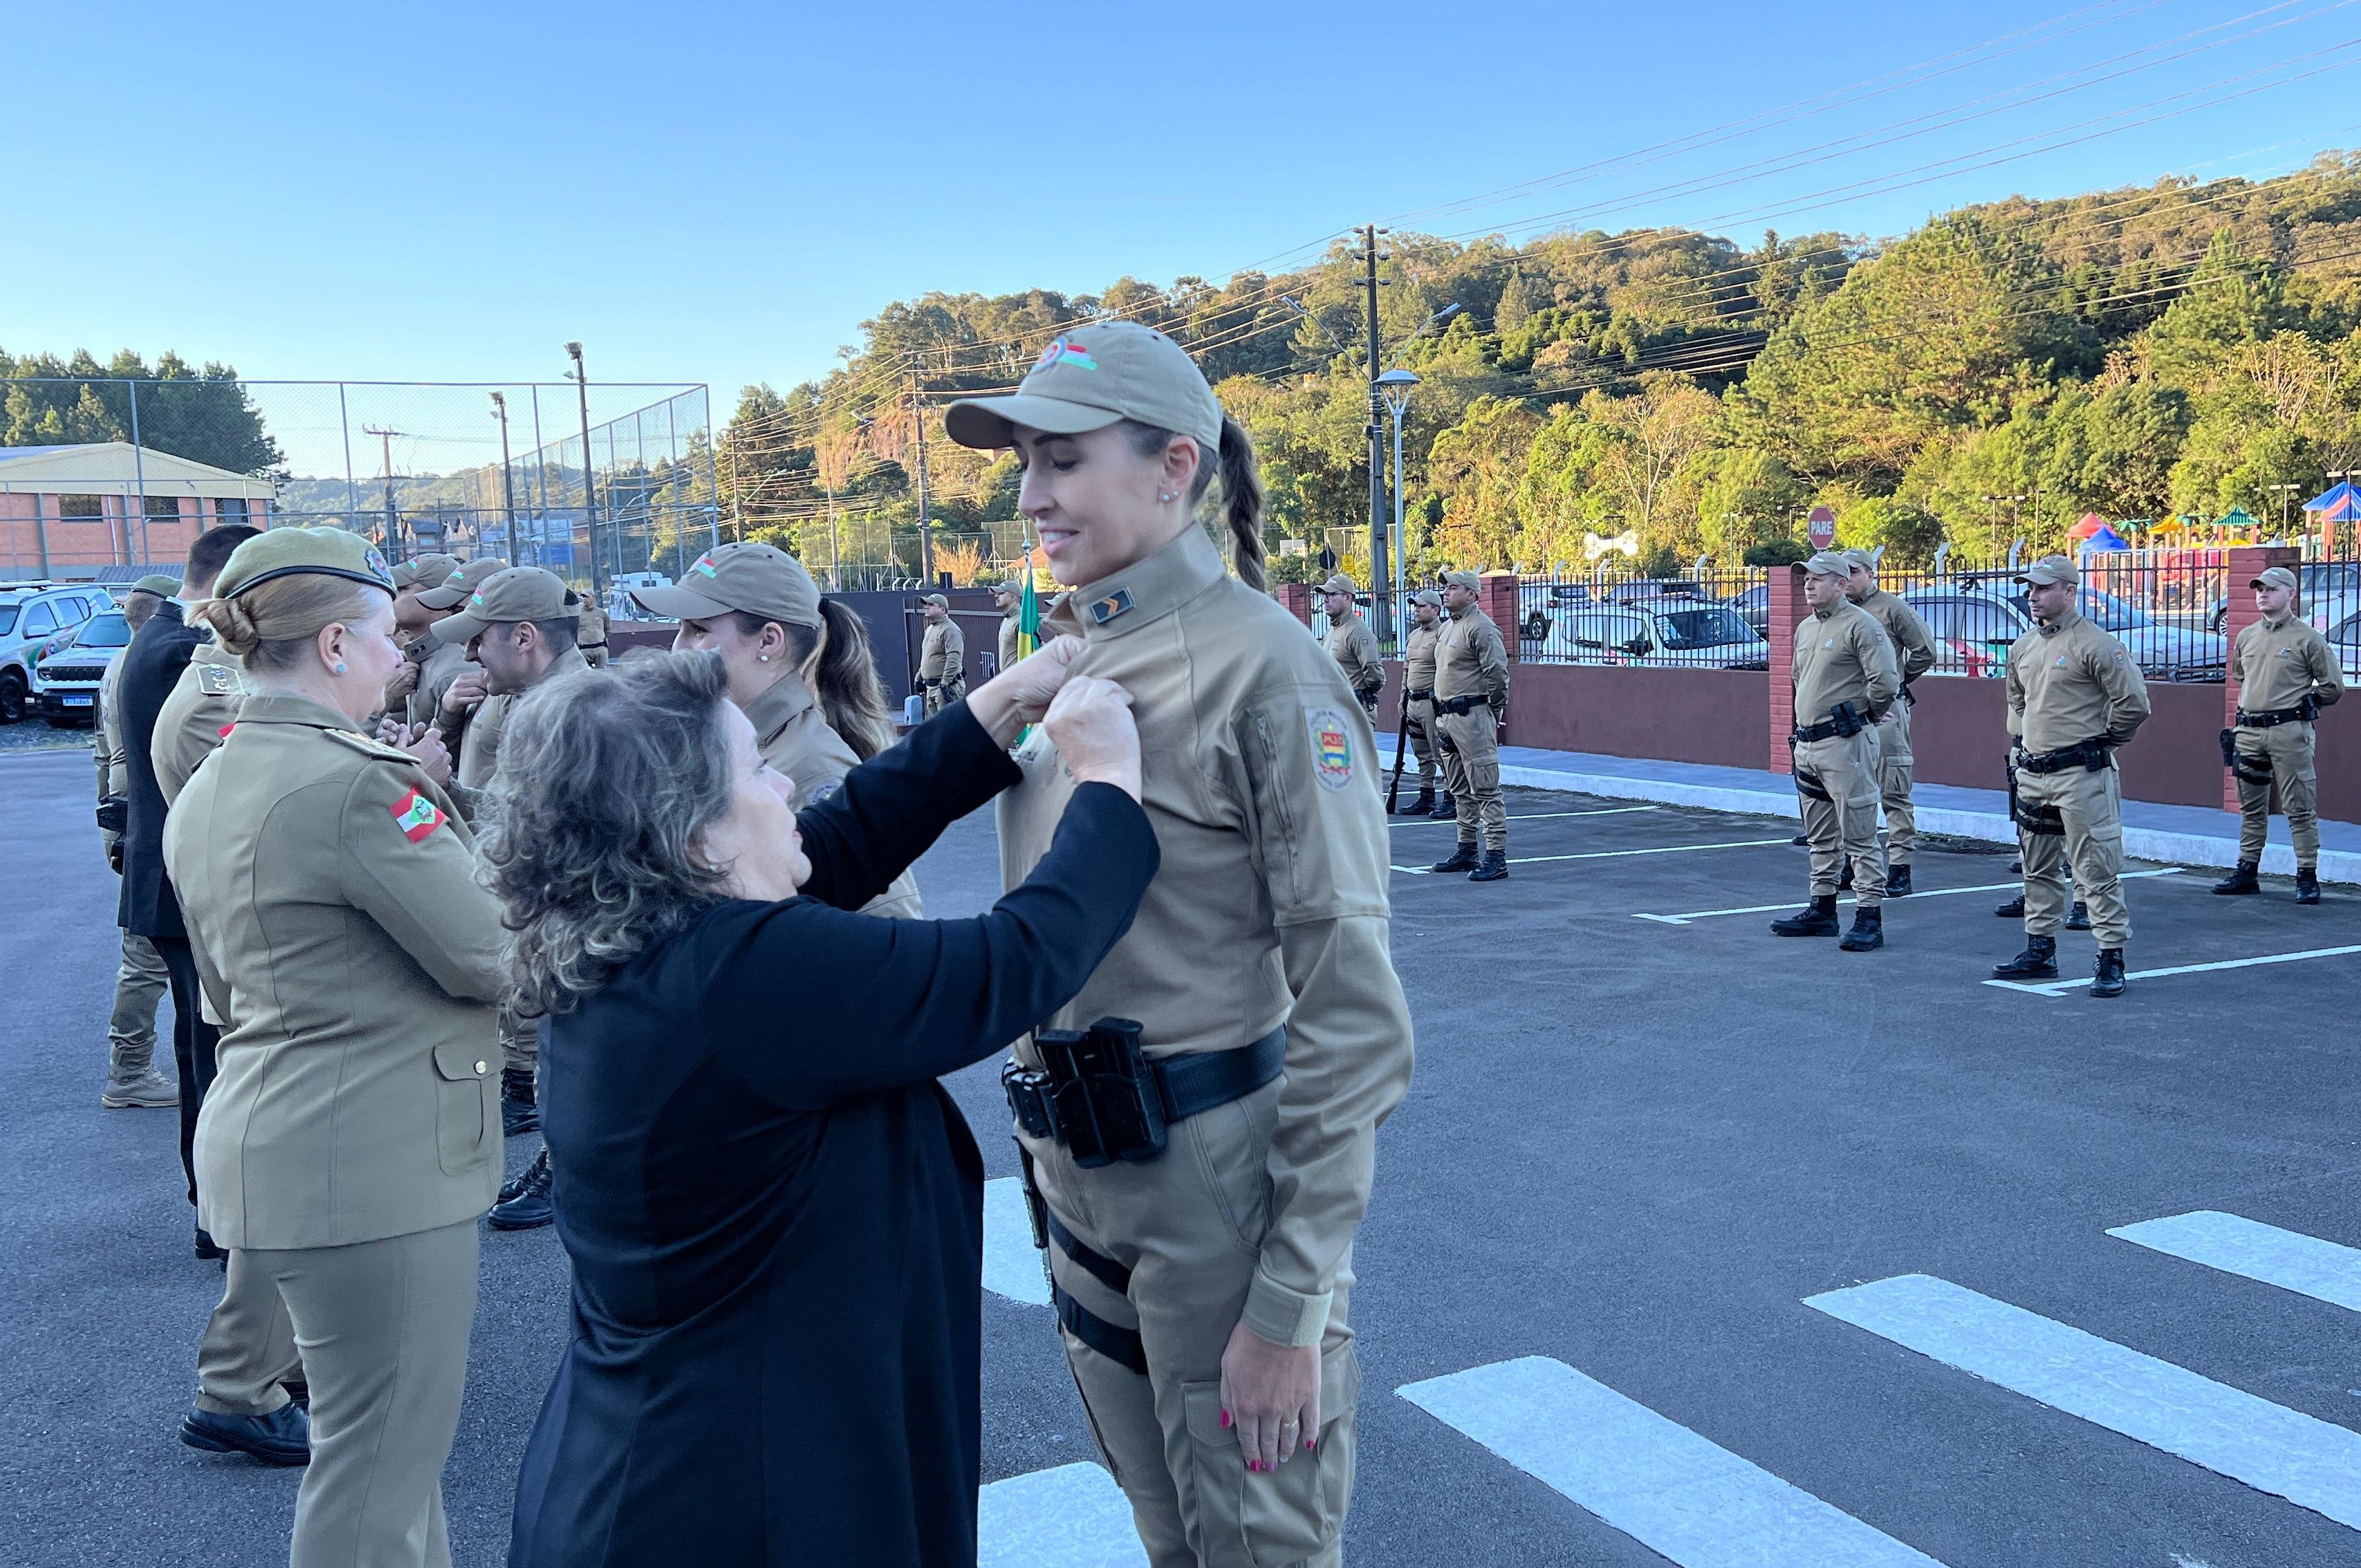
(217,680)
(416,816)
(361,742)
(1114,603)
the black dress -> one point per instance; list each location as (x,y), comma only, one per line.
(773,1211)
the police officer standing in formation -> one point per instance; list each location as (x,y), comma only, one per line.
(132,1080)
(942,658)
(1845,679)
(1006,597)
(1201,1253)
(2285,673)
(1352,644)
(1418,699)
(1914,649)
(591,632)
(2077,696)
(1471,700)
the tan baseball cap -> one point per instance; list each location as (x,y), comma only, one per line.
(1861,558)
(1467,580)
(2274,577)
(1830,563)
(1425,596)
(521,592)
(429,570)
(938,601)
(758,579)
(1091,377)
(2051,570)
(1339,584)
(464,580)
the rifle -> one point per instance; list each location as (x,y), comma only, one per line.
(1401,741)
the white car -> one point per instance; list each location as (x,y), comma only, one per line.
(31,614)
(71,665)
(1686,633)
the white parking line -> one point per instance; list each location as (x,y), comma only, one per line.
(1618,854)
(2061,987)
(1533,815)
(2308,1265)
(2012,886)
(1071,1516)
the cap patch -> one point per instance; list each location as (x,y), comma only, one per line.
(704,563)
(1065,351)
(1332,747)
(375,561)
(1114,603)
(416,816)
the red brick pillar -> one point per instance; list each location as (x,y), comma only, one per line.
(1788,609)
(1499,595)
(1297,598)
(2247,562)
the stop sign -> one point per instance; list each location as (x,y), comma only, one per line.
(1821,528)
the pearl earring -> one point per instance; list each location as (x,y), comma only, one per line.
(1164,496)
(762,658)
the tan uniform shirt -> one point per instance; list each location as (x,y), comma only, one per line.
(332,890)
(2279,665)
(1261,782)
(479,757)
(2069,682)
(943,655)
(1470,659)
(1007,649)
(1913,645)
(795,739)
(196,714)
(590,631)
(434,678)
(1354,648)
(1842,655)
(1418,655)
(106,738)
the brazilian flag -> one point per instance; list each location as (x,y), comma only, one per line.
(1028,613)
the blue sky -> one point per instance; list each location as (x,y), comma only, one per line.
(720,193)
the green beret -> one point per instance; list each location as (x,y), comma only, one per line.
(286,552)
(156,583)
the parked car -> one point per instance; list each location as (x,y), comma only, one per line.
(1542,605)
(2344,634)
(1674,631)
(2317,581)
(31,614)
(66,678)
(1753,607)
(1975,620)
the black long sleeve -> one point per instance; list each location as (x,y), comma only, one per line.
(891,808)
(819,1004)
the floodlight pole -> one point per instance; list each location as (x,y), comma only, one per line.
(508,482)
(589,479)
(1378,573)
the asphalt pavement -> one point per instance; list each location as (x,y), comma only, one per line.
(1644,1133)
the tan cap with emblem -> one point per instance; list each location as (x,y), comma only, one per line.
(156,583)
(1091,377)
(2274,577)
(427,570)
(1425,596)
(521,592)
(1828,563)
(2051,570)
(938,601)
(754,578)
(1339,584)
(1467,580)
(1861,558)
(454,590)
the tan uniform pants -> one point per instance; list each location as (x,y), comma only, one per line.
(1188,1226)
(1471,772)
(2092,804)
(1894,769)
(940,697)
(1843,827)
(131,1029)
(597,657)
(520,1041)
(248,1351)
(2287,748)
(382,1327)
(1419,725)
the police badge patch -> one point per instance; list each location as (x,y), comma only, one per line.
(215,680)
(1332,747)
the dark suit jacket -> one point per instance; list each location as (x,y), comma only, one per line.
(151,667)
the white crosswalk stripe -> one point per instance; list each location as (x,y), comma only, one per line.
(1071,1516)
(2305,1264)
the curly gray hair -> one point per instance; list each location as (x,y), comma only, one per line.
(606,779)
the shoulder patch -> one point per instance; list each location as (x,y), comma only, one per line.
(820,791)
(416,816)
(1332,747)
(217,680)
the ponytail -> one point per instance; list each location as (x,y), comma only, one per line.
(843,677)
(1242,502)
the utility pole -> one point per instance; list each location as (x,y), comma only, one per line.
(926,528)
(392,519)
(581,379)
(508,480)
(1379,609)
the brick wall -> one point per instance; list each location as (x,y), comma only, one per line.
(1297,598)
(1788,609)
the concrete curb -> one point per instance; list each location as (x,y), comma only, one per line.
(1983,826)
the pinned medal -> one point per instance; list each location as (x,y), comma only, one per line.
(1114,603)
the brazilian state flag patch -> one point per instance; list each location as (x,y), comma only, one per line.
(1332,747)
(416,816)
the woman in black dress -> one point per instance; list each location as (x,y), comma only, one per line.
(773,1211)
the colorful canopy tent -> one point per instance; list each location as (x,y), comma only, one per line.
(2104,538)
(2339,503)
(2092,523)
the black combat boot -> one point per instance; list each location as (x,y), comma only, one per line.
(1898,880)
(2307,885)
(1445,808)
(2108,979)
(1491,867)
(2013,910)
(519,1112)
(1868,930)
(2017,868)
(1817,918)
(2038,961)
(531,1208)
(1422,807)
(1844,877)
(1801,840)
(2078,917)
(1462,859)
(2241,880)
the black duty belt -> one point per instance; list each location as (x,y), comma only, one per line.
(1420,694)
(2089,755)
(1842,720)
(929,683)
(1460,707)
(1102,1097)
(589,644)
(2271,717)
(1807,732)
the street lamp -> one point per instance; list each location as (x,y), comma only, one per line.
(1394,387)
(581,381)
(508,481)
(2287,493)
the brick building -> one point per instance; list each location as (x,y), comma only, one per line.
(75,512)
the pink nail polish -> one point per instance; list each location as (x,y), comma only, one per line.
(1225,1420)
(1308,1443)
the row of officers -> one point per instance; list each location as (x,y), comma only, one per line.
(2075,695)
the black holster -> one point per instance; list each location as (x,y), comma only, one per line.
(2046,820)
(2254,769)
(1848,719)
(1094,1092)
(115,814)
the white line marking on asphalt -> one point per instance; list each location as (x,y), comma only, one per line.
(2227,1430)
(2289,1259)
(1618,854)
(1659,1483)
(1922,892)
(2061,987)
(1071,1516)
(1012,1264)
(1531,815)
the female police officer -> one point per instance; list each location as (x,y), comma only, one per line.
(353,1136)
(1202,1270)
